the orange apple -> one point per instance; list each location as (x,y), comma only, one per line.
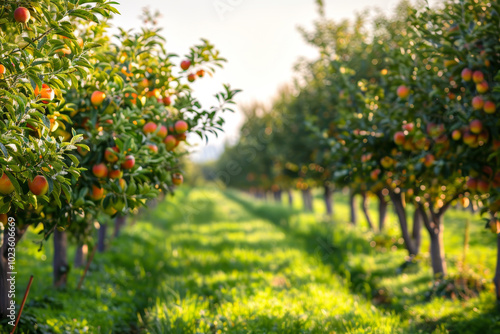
(181,126)
(170,142)
(403,92)
(477,103)
(490,107)
(429,160)
(374,174)
(162,133)
(177,179)
(482,87)
(6,187)
(115,174)
(478,77)
(456,135)
(153,148)
(469,138)
(97,98)
(110,154)
(191,77)
(476,126)
(467,74)
(97,193)
(200,73)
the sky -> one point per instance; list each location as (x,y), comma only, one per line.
(259,38)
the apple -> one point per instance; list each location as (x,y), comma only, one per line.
(181,137)
(22,15)
(471,184)
(469,138)
(476,126)
(441,139)
(153,148)
(181,126)
(6,187)
(100,170)
(185,64)
(46,93)
(167,100)
(191,77)
(409,127)
(374,174)
(162,133)
(129,162)
(478,77)
(149,127)
(477,103)
(456,135)
(467,74)
(483,186)
(97,193)
(109,154)
(4,219)
(39,186)
(482,87)
(123,184)
(177,179)
(403,92)
(110,210)
(115,174)
(490,107)
(200,73)
(429,160)
(399,138)
(97,98)
(2,69)
(170,142)
(83,152)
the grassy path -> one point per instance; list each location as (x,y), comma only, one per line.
(234,272)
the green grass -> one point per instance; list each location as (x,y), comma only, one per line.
(208,261)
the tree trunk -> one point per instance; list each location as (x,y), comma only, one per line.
(80,255)
(399,207)
(119,223)
(307,199)
(417,230)
(382,210)
(60,264)
(290,198)
(434,225)
(328,196)
(496,280)
(277,196)
(101,242)
(364,207)
(354,218)
(7,308)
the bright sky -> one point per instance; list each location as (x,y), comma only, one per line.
(259,38)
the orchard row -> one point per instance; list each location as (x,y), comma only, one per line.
(91,125)
(402,107)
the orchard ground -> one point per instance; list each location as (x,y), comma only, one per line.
(223,262)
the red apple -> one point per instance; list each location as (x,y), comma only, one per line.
(483,186)
(181,126)
(482,87)
(22,15)
(470,139)
(115,174)
(129,162)
(477,103)
(409,127)
(167,100)
(153,148)
(191,77)
(185,64)
(399,138)
(375,174)
(6,187)
(429,160)
(97,193)
(39,186)
(472,184)
(149,127)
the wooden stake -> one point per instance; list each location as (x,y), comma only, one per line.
(22,305)
(89,261)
